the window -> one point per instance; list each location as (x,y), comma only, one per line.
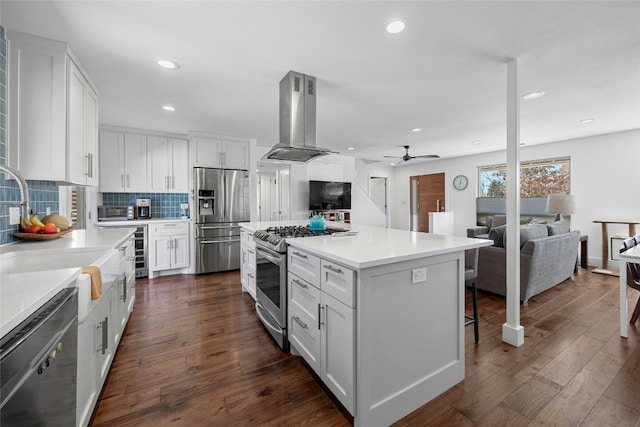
(537,178)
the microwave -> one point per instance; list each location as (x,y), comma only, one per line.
(115,213)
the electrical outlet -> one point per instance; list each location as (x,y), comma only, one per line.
(14,216)
(48,210)
(419,275)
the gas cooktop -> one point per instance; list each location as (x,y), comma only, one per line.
(274,237)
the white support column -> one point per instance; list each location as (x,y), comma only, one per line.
(512,331)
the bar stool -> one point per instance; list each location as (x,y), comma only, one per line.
(633,274)
(470,275)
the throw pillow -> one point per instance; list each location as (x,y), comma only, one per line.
(558,227)
(498,221)
(534,231)
(537,221)
(497,235)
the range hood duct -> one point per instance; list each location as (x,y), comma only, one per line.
(297,120)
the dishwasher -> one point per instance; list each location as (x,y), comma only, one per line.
(38,366)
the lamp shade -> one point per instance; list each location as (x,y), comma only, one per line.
(561,204)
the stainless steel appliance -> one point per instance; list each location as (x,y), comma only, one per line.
(297,120)
(140,241)
(271,277)
(222,201)
(143,208)
(115,213)
(38,366)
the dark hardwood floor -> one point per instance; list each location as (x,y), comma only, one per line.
(194,354)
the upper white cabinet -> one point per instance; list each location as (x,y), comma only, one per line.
(123,162)
(53,112)
(216,152)
(168,164)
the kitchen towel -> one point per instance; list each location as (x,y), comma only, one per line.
(96,280)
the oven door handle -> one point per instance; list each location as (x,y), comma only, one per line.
(208,242)
(269,255)
(265,321)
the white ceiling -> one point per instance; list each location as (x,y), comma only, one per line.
(446,73)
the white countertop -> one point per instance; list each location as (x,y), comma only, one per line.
(374,246)
(23,293)
(137,222)
(107,239)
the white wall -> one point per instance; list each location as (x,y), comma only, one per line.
(605,179)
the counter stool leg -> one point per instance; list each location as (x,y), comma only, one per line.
(475,310)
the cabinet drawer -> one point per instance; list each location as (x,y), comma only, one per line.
(246,237)
(168,228)
(304,265)
(305,336)
(338,282)
(305,298)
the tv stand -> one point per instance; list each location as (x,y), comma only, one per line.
(339,215)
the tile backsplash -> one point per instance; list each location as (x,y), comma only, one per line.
(163,205)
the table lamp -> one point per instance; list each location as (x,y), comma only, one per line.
(561,204)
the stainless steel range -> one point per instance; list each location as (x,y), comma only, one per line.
(271,276)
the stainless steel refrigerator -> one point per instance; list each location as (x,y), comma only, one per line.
(221,202)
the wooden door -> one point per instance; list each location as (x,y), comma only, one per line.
(427,195)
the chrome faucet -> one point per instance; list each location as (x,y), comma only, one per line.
(24,192)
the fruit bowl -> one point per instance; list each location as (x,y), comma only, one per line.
(39,236)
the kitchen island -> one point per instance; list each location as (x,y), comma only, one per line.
(388,332)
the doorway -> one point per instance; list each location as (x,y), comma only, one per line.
(378,194)
(273,192)
(426,195)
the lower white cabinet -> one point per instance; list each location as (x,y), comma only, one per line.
(248,262)
(124,293)
(322,327)
(168,247)
(95,353)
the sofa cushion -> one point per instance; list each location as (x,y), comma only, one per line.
(498,220)
(558,227)
(497,235)
(530,232)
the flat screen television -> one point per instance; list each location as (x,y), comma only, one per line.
(325,195)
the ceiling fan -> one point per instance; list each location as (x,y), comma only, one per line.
(407,157)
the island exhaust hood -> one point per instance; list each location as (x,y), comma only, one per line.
(297,120)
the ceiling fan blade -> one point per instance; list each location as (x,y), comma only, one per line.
(393,157)
(427,156)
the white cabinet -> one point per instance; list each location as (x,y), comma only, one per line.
(95,353)
(53,112)
(168,247)
(168,165)
(219,153)
(83,128)
(322,320)
(123,162)
(248,262)
(124,288)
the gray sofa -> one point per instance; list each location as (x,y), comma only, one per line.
(547,258)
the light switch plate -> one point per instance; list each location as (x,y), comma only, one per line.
(14,215)
(419,275)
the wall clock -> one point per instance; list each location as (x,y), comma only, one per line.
(460,182)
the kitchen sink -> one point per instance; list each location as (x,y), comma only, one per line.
(47,259)
(41,260)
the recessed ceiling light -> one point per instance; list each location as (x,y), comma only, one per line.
(392,164)
(350,148)
(533,95)
(416,130)
(584,121)
(396,26)
(168,64)
(476,142)
(168,108)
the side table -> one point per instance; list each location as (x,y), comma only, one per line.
(584,252)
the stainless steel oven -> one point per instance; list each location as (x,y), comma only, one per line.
(271,276)
(271,292)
